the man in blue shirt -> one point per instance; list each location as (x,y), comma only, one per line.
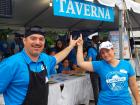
(24,76)
(115,75)
(93,55)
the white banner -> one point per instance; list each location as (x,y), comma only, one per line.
(126,46)
(114,38)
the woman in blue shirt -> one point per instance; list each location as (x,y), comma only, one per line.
(24,76)
(115,75)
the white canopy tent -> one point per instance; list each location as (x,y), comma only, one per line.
(130,4)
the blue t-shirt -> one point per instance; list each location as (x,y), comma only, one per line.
(61,68)
(92,53)
(114,82)
(72,56)
(14,75)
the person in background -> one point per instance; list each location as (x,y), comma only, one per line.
(65,68)
(52,52)
(132,43)
(59,46)
(4,48)
(93,55)
(115,75)
(24,76)
(76,68)
(93,50)
(85,55)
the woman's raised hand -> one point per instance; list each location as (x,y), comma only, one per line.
(80,40)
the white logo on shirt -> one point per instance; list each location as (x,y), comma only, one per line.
(123,71)
(42,67)
(115,80)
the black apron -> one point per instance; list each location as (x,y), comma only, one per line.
(37,93)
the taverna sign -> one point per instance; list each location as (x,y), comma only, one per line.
(83,10)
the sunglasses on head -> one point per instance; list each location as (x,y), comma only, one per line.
(36,29)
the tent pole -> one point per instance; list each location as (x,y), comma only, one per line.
(120,32)
(123,39)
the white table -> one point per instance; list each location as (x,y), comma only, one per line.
(76,90)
